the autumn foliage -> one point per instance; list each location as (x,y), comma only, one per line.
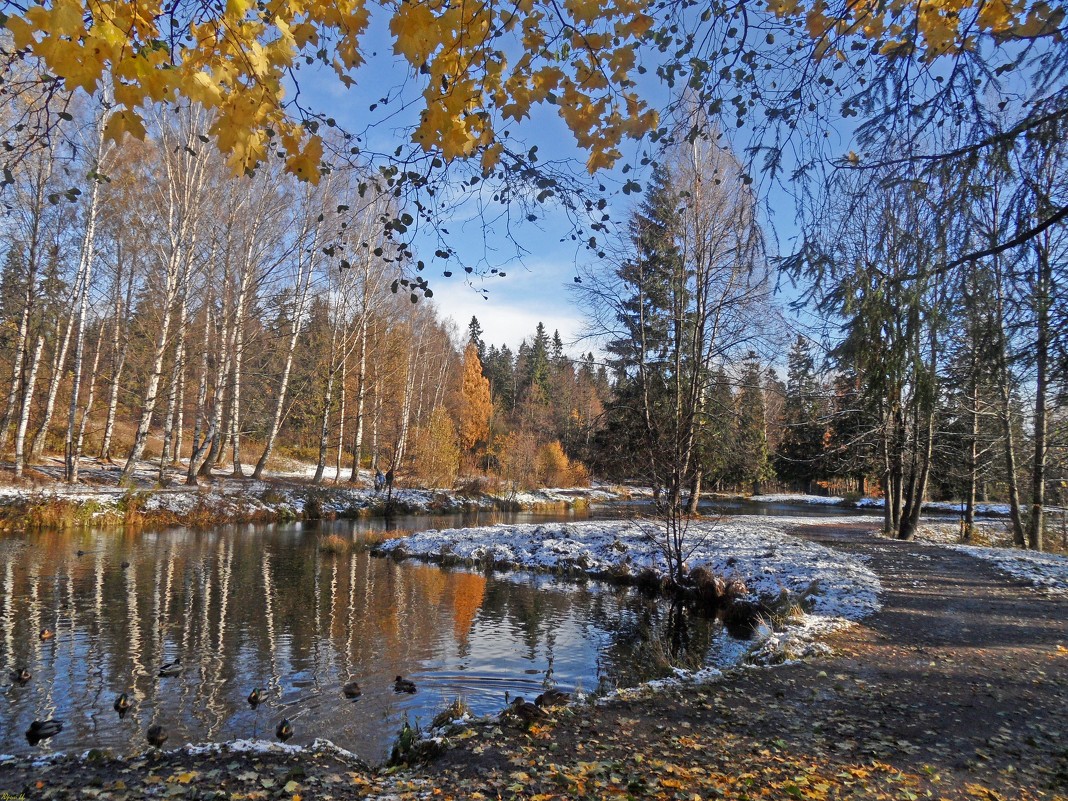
(476,404)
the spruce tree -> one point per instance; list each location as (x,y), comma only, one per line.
(800,458)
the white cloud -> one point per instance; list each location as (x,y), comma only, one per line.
(514,306)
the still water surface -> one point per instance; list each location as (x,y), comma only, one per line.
(263,606)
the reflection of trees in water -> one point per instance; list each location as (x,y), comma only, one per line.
(647,638)
(244,607)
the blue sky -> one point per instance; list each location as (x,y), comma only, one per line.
(535,286)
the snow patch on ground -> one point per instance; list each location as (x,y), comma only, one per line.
(1044,570)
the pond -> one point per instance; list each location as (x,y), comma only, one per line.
(263,606)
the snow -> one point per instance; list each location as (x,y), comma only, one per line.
(829,500)
(955,507)
(1043,570)
(755,548)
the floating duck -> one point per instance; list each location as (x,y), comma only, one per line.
(122,704)
(47,634)
(125,565)
(42,730)
(352,690)
(256,697)
(284,730)
(156,736)
(403,685)
(526,711)
(80,552)
(551,698)
(171,668)
(20,676)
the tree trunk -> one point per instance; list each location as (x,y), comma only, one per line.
(1043,285)
(58,362)
(341,419)
(24,412)
(361,389)
(973,446)
(148,406)
(91,397)
(81,301)
(304,271)
(120,342)
(200,444)
(324,428)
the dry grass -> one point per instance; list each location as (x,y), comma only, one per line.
(334,544)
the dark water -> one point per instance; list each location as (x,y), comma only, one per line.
(264,606)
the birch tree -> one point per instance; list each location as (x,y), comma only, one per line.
(179,209)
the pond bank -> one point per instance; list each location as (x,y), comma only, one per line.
(100,501)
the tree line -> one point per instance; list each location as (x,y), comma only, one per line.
(175,313)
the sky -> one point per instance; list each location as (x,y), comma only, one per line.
(535,286)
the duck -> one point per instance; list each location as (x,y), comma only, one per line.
(352,690)
(156,736)
(122,704)
(403,685)
(125,565)
(284,730)
(551,698)
(47,634)
(256,697)
(42,730)
(526,711)
(171,668)
(20,676)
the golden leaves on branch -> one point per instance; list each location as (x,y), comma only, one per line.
(233,58)
(927,29)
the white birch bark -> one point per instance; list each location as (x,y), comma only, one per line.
(81,302)
(24,413)
(184,202)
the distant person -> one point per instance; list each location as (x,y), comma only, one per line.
(389,480)
(380,481)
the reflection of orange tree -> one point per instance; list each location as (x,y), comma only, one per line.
(468,589)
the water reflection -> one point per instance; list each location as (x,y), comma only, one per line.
(262,606)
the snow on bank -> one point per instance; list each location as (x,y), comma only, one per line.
(828,500)
(755,548)
(1044,570)
(954,507)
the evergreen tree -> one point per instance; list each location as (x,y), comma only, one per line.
(800,458)
(474,336)
(752,463)
(536,368)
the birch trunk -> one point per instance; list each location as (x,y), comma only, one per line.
(341,420)
(361,389)
(199,444)
(24,413)
(80,440)
(37,203)
(120,342)
(186,179)
(1043,285)
(58,361)
(82,301)
(303,282)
